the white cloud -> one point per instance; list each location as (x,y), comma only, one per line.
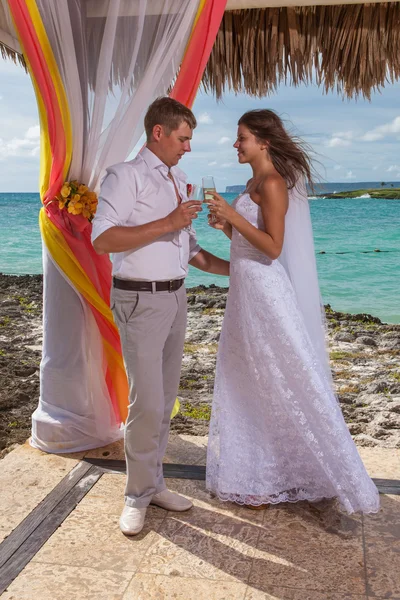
(35,151)
(33,133)
(372,136)
(337,167)
(347,135)
(341,138)
(395,169)
(335,141)
(205,119)
(224,140)
(226,165)
(378,133)
(350,175)
(212,164)
(29,145)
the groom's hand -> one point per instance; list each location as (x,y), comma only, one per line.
(183,215)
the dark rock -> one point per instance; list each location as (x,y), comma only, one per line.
(364,318)
(377,432)
(391,344)
(362,400)
(345,336)
(25,371)
(362,439)
(7,303)
(346,398)
(211,302)
(364,418)
(391,334)
(355,428)
(367,341)
(377,387)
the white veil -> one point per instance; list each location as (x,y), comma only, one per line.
(298,259)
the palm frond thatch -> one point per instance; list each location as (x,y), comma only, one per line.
(354,49)
(7,49)
(7,52)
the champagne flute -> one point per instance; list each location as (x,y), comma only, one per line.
(196,193)
(209,186)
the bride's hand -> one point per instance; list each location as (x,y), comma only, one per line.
(219,208)
(216,223)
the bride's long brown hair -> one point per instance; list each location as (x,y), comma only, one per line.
(289,154)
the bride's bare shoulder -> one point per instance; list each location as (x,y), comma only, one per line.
(273,191)
(273,183)
(268,187)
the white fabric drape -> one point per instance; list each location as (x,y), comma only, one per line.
(74,411)
(298,259)
(114,57)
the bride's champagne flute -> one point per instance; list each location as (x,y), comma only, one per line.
(209,186)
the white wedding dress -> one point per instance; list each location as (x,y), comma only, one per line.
(277,433)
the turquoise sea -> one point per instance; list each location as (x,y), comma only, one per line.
(352,276)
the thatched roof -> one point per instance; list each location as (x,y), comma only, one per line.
(351,48)
(9,45)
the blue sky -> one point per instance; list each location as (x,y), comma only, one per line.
(353,140)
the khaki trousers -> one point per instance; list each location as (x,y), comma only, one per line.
(152,329)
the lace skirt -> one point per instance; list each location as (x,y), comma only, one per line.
(277,433)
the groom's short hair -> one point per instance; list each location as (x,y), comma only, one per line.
(170,114)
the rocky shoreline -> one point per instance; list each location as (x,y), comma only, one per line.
(379,194)
(364,356)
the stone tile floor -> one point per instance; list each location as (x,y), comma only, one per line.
(215,551)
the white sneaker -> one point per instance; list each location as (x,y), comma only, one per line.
(171,501)
(132,520)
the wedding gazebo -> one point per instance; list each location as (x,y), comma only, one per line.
(95,66)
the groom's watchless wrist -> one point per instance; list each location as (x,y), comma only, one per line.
(168,224)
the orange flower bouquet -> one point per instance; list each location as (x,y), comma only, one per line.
(78,200)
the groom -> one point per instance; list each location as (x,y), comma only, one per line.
(143,219)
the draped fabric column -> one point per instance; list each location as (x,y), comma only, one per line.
(96,66)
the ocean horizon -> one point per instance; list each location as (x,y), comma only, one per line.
(357,244)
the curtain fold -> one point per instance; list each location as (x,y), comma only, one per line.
(95,66)
(204,33)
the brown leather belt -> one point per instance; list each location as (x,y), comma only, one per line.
(148,286)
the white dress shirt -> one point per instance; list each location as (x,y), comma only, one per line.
(138,192)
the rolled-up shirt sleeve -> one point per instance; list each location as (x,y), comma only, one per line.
(194,247)
(117,199)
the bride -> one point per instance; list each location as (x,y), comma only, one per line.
(277,433)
